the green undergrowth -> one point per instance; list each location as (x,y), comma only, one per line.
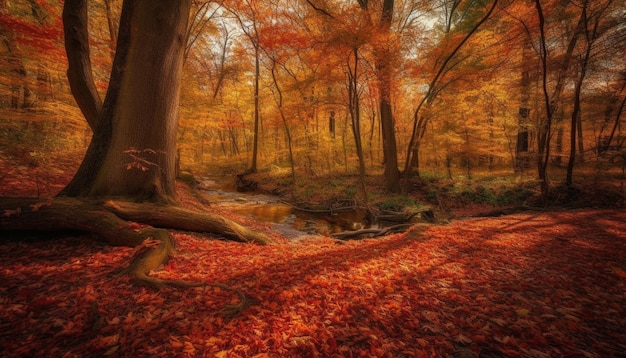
(484,192)
(427,191)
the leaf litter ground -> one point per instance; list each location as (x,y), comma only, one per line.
(538,285)
(547,284)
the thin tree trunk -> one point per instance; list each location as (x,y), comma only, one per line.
(392,174)
(279,103)
(257,77)
(111,21)
(544,126)
(419,122)
(355,115)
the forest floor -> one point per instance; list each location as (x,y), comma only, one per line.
(530,284)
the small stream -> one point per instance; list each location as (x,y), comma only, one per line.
(291,222)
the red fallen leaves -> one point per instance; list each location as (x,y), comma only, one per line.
(526,285)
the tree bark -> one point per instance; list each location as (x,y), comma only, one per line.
(132,154)
(257,78)
(355,116)
(83,180)
(79,72)
(419,121)
(174,217)
(141,159)
(392,174)
(544,127)
(114,222)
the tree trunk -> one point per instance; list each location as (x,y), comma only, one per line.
(355,116)
(257,77)
(79,72)
(141,159)
(420,122)
(545,125)
(132,154)
(109,221)
(392,174)
(521,148)
(279,103)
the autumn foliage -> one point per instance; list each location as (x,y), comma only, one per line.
(321,89)
(526,285)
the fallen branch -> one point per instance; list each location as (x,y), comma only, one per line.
(319,211)
(367,233)
(402,217)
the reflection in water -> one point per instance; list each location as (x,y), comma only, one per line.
(266,208)
(308,222)
(270,212)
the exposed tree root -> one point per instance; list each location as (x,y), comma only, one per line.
(124,224)
(174,217)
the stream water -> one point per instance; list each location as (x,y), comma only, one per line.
(221,191)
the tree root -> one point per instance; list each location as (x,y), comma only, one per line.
(118,224)
(174,217)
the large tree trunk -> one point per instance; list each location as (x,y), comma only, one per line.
(83,180)
(133,149)
(132,155)
(141,159)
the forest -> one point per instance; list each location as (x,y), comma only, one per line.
(312,178)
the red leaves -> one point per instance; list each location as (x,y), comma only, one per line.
(501,285)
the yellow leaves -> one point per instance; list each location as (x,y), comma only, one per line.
(189,348)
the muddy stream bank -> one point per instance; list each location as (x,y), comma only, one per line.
(221,191)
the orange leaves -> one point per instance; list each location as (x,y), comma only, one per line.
(9,212)
(36,207)
(503,284)
(138,159)
(18,211)
(619,272)
(105,343)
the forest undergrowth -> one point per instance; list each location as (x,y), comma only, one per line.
(531,284)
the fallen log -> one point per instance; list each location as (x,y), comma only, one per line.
(402,217)
(369,233)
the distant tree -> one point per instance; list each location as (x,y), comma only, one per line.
(469,26)
(249,24)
